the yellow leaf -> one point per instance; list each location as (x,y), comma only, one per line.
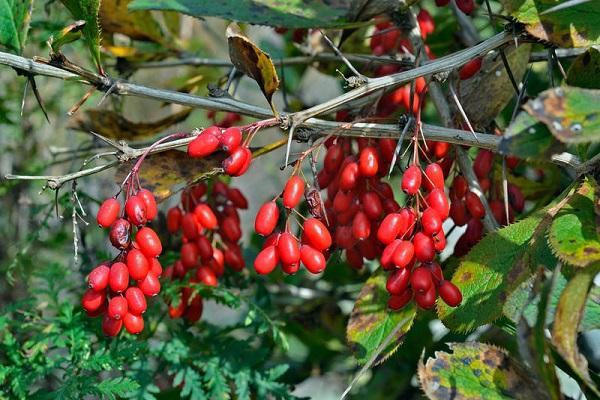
(168,172)
(139,25)
(252,61)
(114,126)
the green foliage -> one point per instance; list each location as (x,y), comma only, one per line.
(573,238)
(584,71)
(372,323)
(87,10)
(529,139)
(288,13)
(572,26)
(15,16)
(477,371)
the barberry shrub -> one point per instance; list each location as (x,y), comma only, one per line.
(405,189)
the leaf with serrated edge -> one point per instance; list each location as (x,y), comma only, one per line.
(575,26)
(476,371)
(113,125)
(567,319)
(574,235)
(164,174)
(372,321)
(488,92)
(87,10)
(572,114)
(496,266)
(252,61)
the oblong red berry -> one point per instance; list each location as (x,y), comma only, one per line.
(108,212)
(421,280)
(293,192)
(387,256)
(206,276)
(434,176)
(118,279)
(312,259)
(516,198)
(349,176)
(150,285)
(92,300)
(398,281)
(110,326)
(403,254)
(231,139)
(174,216)
(266,219)
(205,215)
(437,200)
(342,201)
(368,162)
(137,264)
(288,249)
(235,162)
(230,229)
(155,266)
(317,234)
(473,66)
(458,212)
(450,293)
(189,225)
(237,198)
(150,202)
(134,324)
(426,300)
(136,301)
(119,233)
(411,180)
(460,187)
(474,205)
(136,210)
(205,249)
(266,261)
(389,228)
(371,205)
(98,277)
(361,226)
(424,247)
(234,258)
(482,165)
(148,242)
(204,144)
(397,302)
(431,221)
(333,158)
(117,307)
(189,255)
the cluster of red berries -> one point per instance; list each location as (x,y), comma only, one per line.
(119,289)
(467,209)
(283,247)
(466,6)
(207,216)
(229,140)
(413,237)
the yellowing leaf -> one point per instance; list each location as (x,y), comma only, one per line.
(168,172)
(114,126)
(139,25)
(252,61)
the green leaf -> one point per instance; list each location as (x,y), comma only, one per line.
(572,114)
(116,387)
(585,70)
(87,10)
(575,26)
(280,13)
(497,266)
(569,314)
(476,371)
(529,139)
(573,235)
(15,16)
(371,321)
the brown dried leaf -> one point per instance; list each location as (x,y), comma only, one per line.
(252,61)
(114,126)
(168,172)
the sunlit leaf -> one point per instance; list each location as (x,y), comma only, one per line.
(572,114)
(529,139)
(371,321)
(15,16)
(87,10)
(477,371)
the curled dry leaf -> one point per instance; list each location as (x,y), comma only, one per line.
(252,61)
